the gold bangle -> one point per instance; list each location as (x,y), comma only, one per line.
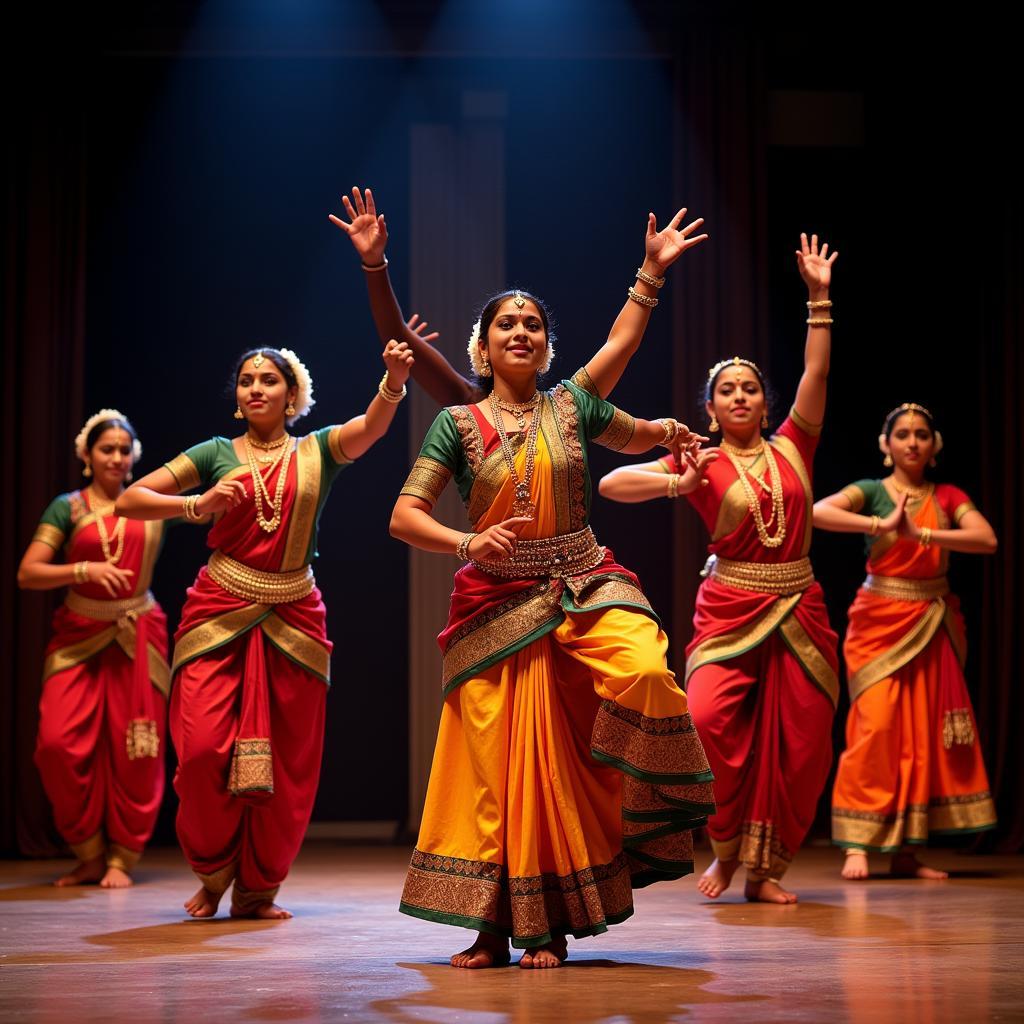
(81,572)
(394,397)
(926,536)
(376,268)
(820,321)
(820,304)
(188,508)
(873,529)
(671,429)
(643,300)
(462,549)
(673,485)
(654,282)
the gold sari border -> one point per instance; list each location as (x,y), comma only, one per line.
(152,539)
(903,588)
(47,533)
(334,447)
(252,766)
(490,474)
(306,652)
(184,471)
(618,433)
(789,451)
(908,648)
(962,509)
(74,654)
(245,902)
(217,632)
(158,669)
(812,661)
(733,509)
(854,495)
(724,646)
(91,848)
(427,480)
(308,471)
(122,858)
(758,848)
(218,881)
(813,429)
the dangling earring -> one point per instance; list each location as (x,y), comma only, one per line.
(485,370)
(289,409)
(764,421)
(128,476)
(238,413)
(713,425)
(87,472)
(887,461)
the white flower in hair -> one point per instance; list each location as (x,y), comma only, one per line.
(104,414)
(473,348)
(304,400)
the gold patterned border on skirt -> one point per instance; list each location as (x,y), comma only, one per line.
(757,848)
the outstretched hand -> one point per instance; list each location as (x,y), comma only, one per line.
(666,246)
(815,267)
(420,327)
(365,227)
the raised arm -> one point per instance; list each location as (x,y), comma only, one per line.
(368,233)
(360,433)
(816,269)
(661,250)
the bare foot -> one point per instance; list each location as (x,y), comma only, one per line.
(487,951)
(204,903)
(115,878)
(906,865)
(716,879)
(554,954)
(87,872)
(856,866)
(264,912)
(766,891)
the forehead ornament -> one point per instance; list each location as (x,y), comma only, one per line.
(518,299)
(735,362)
(258,359)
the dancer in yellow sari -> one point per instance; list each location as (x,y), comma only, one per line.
(912,765)
(567,770)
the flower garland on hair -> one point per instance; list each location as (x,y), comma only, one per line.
(482,369)
(99,417)
(304,400)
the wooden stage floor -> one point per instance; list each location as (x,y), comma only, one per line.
(882,951)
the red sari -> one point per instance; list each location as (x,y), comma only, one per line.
(761,668)
(105,680)
(251,669)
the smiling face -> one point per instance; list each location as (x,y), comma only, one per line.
(262,392)
(911,443)
(111,458)
(738,400)
(517,343)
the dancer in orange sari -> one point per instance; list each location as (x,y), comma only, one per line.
(105,679)
(567,771)
(912,767)
(251,655)
(761,669)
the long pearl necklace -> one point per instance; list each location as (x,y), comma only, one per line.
(100,508)
(261,496)
(778,516)
(522,505)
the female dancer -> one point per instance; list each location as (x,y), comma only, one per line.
(761,668)
(912,765)
(567,770)
(105,678)
(251,655)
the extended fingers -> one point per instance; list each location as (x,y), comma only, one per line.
(358,197)
(338,222)
(805,249)
(677,219)
(371,206)
(652,225)
(349,209)
(692,226)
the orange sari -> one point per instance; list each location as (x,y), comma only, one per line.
(912,765)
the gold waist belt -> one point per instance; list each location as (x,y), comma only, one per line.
(258,586)
(565,555)
(763,577)
(110,611)
(901,589)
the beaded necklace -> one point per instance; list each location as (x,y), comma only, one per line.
(522,505)
(261,496)
(101,507)
(778,515)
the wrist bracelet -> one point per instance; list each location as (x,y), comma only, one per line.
(188,508)
(394,397)
(654,282)
(81,572)
(671,429)
(926,536)
(673,485)
(820,304)
(376,266)
(820,321)
(873,528)
(462,550)
(643,300)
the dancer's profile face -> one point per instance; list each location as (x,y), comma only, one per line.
(737,400)
(111,457)
(911,443)
(262,392)
(516,343)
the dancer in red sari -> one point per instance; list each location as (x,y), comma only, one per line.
(105,678)
(912,767)
(251,655)
(761,668)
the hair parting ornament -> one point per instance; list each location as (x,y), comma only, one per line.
(104,414)
(735,361)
